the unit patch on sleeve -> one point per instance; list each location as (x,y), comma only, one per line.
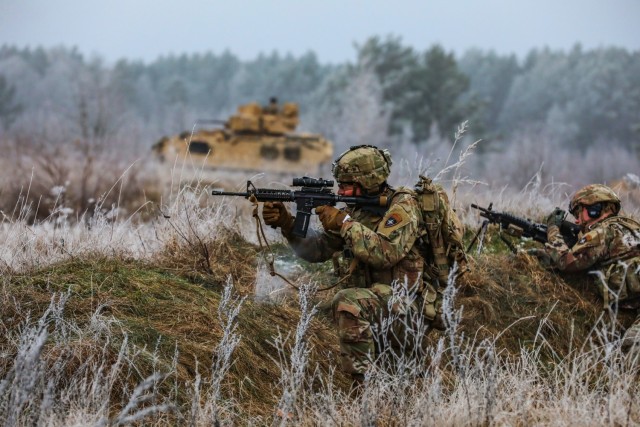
(590,239)
(395,219)
(392,220)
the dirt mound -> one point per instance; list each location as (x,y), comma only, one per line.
(512,299)
(170,312)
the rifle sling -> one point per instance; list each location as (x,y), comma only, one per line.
(270,258)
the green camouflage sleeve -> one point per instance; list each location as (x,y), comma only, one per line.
(590,249)
(318,246)
(391,240)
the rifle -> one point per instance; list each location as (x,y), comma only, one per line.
(313,193)
(521,227)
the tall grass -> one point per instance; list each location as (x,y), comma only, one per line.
(65,388)
(58,371)
(458,381)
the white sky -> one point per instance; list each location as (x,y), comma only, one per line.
(146,29)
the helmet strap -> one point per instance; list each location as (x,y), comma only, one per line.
(380,190)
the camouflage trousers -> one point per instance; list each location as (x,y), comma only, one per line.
(359,314)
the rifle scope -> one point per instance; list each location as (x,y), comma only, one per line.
(306,181)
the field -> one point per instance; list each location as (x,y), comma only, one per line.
(156,307)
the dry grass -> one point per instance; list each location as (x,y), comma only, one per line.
(511,297)
(534,327)
(161,311)
(140,330)
(63,179)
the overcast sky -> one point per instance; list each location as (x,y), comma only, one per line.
(146,29)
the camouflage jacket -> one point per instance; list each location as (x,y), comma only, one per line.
(384,247)
(609,250)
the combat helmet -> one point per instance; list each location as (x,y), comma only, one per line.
(592,194)
(366,165)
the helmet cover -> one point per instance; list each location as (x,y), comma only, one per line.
(592,194)
(365,165)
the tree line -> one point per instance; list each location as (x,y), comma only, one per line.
(390,92)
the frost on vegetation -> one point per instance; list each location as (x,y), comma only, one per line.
(458,380)
(106,232)
(39,389)
(189,217)
(216,409)
(452,379)
(293,369)
(58,190)
(268,287)
(632,180)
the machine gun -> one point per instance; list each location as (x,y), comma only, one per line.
(521,227)
(313,193)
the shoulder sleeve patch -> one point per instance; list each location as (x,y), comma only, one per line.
(392,221)
(590,239)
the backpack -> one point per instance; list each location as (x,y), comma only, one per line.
(443,230)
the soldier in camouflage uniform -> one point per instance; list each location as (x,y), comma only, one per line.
(608,245)
(370,250)
(272,107)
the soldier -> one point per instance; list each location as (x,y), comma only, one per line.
(272,107)
(371,250)
(608,244)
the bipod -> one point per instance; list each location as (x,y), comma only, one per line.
(480,234)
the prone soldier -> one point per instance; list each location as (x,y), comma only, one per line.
(608,244)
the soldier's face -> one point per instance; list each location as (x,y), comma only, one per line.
(349,190)
(579,213)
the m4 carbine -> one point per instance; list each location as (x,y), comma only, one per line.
(312,193)
(521,227)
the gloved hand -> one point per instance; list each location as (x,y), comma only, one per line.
(330,217)
(557,216)
(276,215)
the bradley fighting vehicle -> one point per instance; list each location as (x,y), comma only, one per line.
(255,139)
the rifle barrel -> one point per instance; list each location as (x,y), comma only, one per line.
(228,193)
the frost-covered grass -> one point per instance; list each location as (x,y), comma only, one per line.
(59,368)
(455,379)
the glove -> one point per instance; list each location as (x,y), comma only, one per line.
(276,215)
(330,217)
(557,216)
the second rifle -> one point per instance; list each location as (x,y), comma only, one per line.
(522,227)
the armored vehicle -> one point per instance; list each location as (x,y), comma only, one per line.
(255,139)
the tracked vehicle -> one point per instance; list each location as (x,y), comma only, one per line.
(254,140)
